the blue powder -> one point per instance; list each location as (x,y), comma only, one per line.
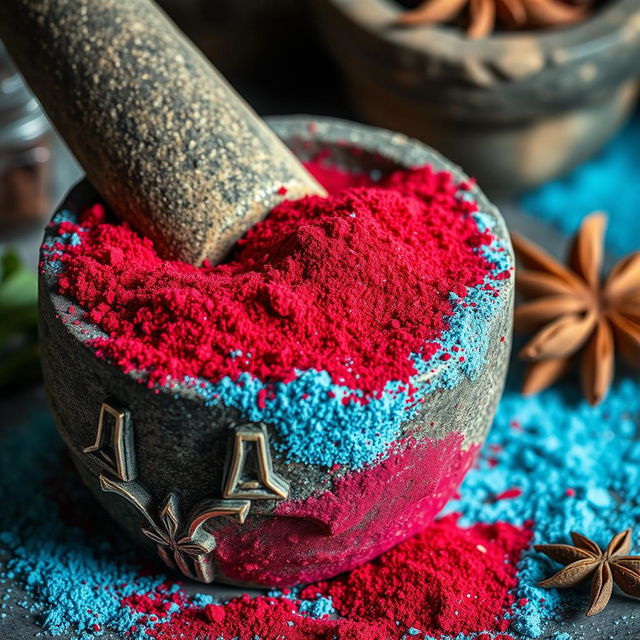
(609,182)
(202,599)
(578,468)
(64,215)
(75,577)
(321,429)
(318,608)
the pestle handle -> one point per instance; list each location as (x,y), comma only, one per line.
(161,135)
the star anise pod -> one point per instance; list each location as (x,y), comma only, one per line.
(572,310)
(586,560)
(482,15)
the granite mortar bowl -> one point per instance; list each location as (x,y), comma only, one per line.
(514,109)
(208,487)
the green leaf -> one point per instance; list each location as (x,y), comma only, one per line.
(9,263)
(18,321)
(18,285)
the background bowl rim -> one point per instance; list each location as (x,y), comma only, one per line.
(616,23)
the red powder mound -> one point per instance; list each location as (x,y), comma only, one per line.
(444,581)
(351,284)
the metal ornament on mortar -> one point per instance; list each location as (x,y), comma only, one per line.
(186,545)
(113,448)
(249,471)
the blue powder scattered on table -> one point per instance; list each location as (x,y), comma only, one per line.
(609,182)
(578,468)
(76,577)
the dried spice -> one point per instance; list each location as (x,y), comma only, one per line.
(482,15)
(586,560)
(572,310)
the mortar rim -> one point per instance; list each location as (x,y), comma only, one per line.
(401,149)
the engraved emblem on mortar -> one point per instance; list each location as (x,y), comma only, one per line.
(185,544)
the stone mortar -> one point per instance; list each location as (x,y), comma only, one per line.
(181,444)
(514,109)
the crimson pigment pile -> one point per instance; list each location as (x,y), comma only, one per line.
(334,322)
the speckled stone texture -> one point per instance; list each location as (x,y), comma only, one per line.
(161,135)
(514,109)
(180,443)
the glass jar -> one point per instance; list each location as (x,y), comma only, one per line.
(25,152)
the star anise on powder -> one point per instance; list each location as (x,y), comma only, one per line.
(572,310)
(482,15)
(586,560)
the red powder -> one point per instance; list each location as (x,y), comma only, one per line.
(352,284)
(514,492)
(330,532)
(333,178)
(424,581)
(446,580)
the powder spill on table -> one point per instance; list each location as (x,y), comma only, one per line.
(578,469)
(576,466)
(552,464)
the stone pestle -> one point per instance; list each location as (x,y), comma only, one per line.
(161,135)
